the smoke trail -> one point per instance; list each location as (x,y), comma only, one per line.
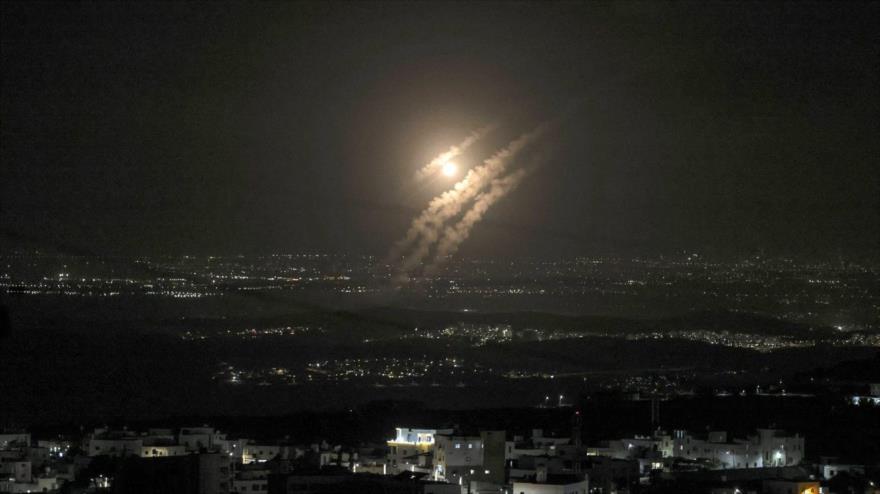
(437,163)
(454,235)
(426,227)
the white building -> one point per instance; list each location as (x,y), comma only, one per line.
(259,453)
(16,440)
(337,456)
(248,480)
(776,449)
(39,484)
(536,445)
(831,470)
(717,450)
(114,443)
(524,457)
(154,449)
(19,470)
(456,458)
(766,448)
(412,449)
(155,443)
(197,438)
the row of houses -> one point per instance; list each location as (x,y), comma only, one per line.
(492,461)
(32,466)
(204,460)
(222,465)
(764,449)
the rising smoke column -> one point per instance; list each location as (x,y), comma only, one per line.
(427,227)
(437,163)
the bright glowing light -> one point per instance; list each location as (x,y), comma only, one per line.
(449,169)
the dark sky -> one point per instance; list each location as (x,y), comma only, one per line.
(217,128)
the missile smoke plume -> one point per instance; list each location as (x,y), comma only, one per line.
(426,229)
(454,235)
(437,163)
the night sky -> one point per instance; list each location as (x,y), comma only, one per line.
(728,128)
